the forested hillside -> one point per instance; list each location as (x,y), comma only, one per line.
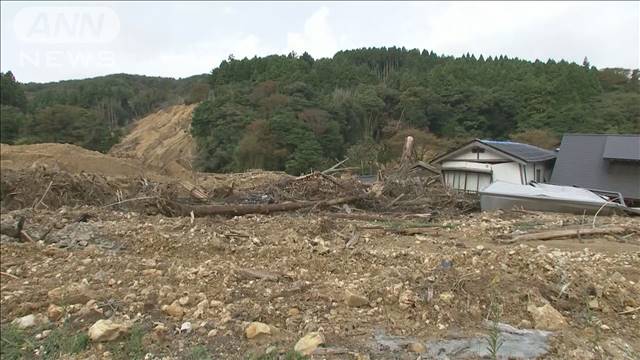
(295,113)
(91,112)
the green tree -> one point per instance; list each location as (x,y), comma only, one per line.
(306,157)
(11,93)
(70,124)
(11,121)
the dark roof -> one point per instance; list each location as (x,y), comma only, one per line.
(622,147)
(525,152)
(518,152)
(583,161)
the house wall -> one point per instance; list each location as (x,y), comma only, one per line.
(545,171)
(473,176)
(507,172)
(466,180)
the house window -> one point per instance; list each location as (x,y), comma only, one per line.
(538,175)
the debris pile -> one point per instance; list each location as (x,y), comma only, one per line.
(288,282)
(266,265)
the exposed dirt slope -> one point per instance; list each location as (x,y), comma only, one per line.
(67,157)
(161,140)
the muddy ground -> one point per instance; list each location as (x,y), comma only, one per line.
(88,274)
(294,273)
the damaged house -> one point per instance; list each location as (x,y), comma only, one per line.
(479,163)
(602,162)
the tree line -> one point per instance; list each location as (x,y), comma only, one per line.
(296,113)
(92,113)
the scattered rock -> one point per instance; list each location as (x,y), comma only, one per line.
(74,293)
(186,327)
(11,226)
(355,300)
(417,347)
(447,296)
(152,272)
(184,300)
(294,311)
(256,328)
(107,330)
(407,299)
(30,320)
(174,310)
(77,234)
(200,309)
(546,317)
(54,312)
(309,343)
(212,333)
(160,329)
(90,309)
(43,335)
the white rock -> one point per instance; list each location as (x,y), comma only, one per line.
(309,343)
(256,328)
(107,330)
(184,300)
(547,317)
(43,335)
(30,320)
(186,327)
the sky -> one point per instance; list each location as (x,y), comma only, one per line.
(52,41)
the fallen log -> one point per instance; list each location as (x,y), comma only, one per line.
(556,234)
(404,231)
(364,217)
(334,167)
(351,168)
(177,209)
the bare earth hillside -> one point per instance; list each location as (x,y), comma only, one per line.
(162,140)
(66,157)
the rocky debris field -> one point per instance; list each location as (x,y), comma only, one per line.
(113,258)
(92,282)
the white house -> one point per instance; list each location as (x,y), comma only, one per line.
(477,164)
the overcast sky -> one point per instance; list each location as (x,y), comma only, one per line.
(58,41)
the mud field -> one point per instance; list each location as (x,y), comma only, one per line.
(86,274)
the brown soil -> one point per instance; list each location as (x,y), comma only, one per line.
(135,264)
(127,262)
(69,158)
(161,140)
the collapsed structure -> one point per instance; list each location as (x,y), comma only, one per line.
(479,163)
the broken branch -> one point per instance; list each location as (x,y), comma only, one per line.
(335,166)
(45,194)
(556,234)
(9,275)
